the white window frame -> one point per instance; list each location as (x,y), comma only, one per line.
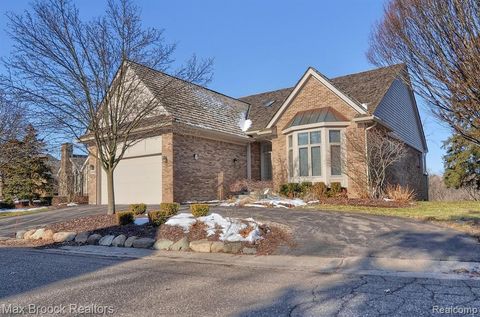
(325,165)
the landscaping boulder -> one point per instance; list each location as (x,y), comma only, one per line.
(180,245)
(38,234)
(217,246)
(82,237)
(94,238)
(20,234)
(28,234)
(232,247)
(162,244)
(201,246)
(129,241)
(64,236)
(143,243)
(249,251)
(48,234)
(106,241)
(119,241)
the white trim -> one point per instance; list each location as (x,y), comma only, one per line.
(311,72)
(316,125)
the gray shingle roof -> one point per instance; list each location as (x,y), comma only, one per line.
(192,104)
(367,87)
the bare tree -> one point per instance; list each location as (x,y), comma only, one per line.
(440,44)
(79,75)
(12,119)
(368,161)
(438,191)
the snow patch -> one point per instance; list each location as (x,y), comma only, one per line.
(141,221)
(230,227)
(23,209)
(244,124)
(72,204)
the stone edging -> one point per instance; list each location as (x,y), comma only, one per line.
(82,238)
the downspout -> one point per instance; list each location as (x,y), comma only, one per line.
(366,149)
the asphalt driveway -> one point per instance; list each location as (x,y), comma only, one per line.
(317,233)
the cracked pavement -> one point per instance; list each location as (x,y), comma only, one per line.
(162,287)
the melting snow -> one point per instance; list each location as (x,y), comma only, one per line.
(141,221)
(23,209)
(277,202)
(230,227)
(244,124)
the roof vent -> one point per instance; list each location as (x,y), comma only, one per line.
(268,103)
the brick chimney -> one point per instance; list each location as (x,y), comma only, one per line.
(65,177)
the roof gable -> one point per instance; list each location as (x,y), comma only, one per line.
(313,73)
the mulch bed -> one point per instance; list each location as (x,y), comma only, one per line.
(364,202)
(104,224)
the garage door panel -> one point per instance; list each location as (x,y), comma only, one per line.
(136,180)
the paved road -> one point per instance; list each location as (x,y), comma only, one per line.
(325,234)
(159,287)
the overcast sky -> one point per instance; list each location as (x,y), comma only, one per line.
(264,45)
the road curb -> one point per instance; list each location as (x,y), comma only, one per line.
(418,268)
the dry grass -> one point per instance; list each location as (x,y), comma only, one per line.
(400,193)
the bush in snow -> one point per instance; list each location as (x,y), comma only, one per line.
(158,217)
(199,210)
(169,209)
(138,209)
(125,217)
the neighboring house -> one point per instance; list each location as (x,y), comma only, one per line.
(72,175)
(297,134)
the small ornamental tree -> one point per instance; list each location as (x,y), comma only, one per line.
(27,175)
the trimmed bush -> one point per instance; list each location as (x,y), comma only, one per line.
(305,188)
(199,210)
(138,209)
(335,188)
(169,209)
(158,217)
(125,217)
(283,190)
(319,190)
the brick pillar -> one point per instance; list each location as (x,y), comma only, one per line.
(65,178)
(94,170)
(167,168)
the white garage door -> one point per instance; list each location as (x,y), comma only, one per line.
(138,177)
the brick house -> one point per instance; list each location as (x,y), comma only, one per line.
(296,134)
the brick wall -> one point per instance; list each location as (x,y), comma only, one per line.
(408,172)
(209,176)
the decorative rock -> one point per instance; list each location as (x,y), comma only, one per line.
(232,247)
(180,245)
(143,243)
(129,241)
(20,234)
(119,241)
(217,246)
(249,251)
(94,238)
(64,236)
(106,241)
(38,234)
(28,234)
(82,237)
(201,246)
(162,244)
(48,234)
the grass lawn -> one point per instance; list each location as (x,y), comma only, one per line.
(424,210)
(21,213)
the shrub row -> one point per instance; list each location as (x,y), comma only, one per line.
(199,210)
(317,190)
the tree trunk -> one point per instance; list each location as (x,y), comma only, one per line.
(111,192)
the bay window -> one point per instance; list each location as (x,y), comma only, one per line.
(315,155)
